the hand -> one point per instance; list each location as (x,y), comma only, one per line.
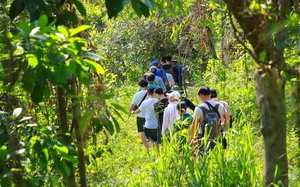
(133,112)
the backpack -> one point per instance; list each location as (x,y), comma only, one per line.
(175,73)
(211,121)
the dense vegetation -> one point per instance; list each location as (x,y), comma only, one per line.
(72,67)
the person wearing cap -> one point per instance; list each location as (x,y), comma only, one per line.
(169,76)
(137,100)
(151,123)
(188,102)
(170,113)
(204,95)
(160,72)
(214,97)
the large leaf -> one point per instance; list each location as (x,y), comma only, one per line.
(16,8)
(144,9)
(107,124)
(80,7)
(82,75)
(95,66)
(96,123)
(78,29)
(110,6)
(85,120)
(37,94)
(62,167)
(116,123)
(17,112)
(30,6)
(136,7)
(150,4)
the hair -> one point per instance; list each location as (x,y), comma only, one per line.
(145,76)
(151,91)
(213,93)
(169,58)
(143,83)
(151,77)
(163,59)
(181,106)
(204,90)
(159,91)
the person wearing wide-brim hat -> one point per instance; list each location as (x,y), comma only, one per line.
(188,102)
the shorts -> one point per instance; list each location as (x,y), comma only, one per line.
(140,122)
(151,134)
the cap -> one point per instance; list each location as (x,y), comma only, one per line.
(204,90)
(153,70)
(213,93)
(154,63)
(143,83)
(176,95)
(176,88)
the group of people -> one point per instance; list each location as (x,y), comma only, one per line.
(162,109)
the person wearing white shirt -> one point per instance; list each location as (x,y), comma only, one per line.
(137,100)
(151,124)
(170,113)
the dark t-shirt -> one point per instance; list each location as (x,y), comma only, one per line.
(159,110)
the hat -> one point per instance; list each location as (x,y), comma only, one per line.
(154,63)
(143,83)
(176,95)
(213,93)
(176,88)
(204,90)
(153,70)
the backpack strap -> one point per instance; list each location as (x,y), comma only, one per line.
(214,108)
(143,99)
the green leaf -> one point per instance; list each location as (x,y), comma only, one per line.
(80,7)
(37,94)
(150,4)
(118,107)
(61,73)
(98,126)
(78,29)
(69,158)
(61,148)
(85,120)
(62,167)
(16,8)
(55,58)
(116,123)
(63,30)
(30,6)
(67,15)
(82,75)
(32,60)
(43,20)
(110,6)
(93,98)
(94,66)
(107,124)
(71,66)
(136,5)
(106,96)
(144,9)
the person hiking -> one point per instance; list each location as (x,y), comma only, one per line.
(172,69)
(160,72)
(182,125)
(180,72)
(137,100)
(199,123)
(151,122)
(158,81)
(188,102)
(170,77)
(214,97)
(170,113)
(159,108)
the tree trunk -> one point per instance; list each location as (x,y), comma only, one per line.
(64,128)
(76,118)
(270,96)
(268,53)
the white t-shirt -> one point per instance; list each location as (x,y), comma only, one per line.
(170,115)
(136,100)
(147,107)
(170,79)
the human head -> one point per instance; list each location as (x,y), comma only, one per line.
(153,70)
(159,91)
(174,61)
(176,88)
(181,107)
(154,63)
(163,60)
(213,93)
(169,59)
(150,91)
(145,76)
(143,83)
(173,96)
(151,78)
(204,93)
